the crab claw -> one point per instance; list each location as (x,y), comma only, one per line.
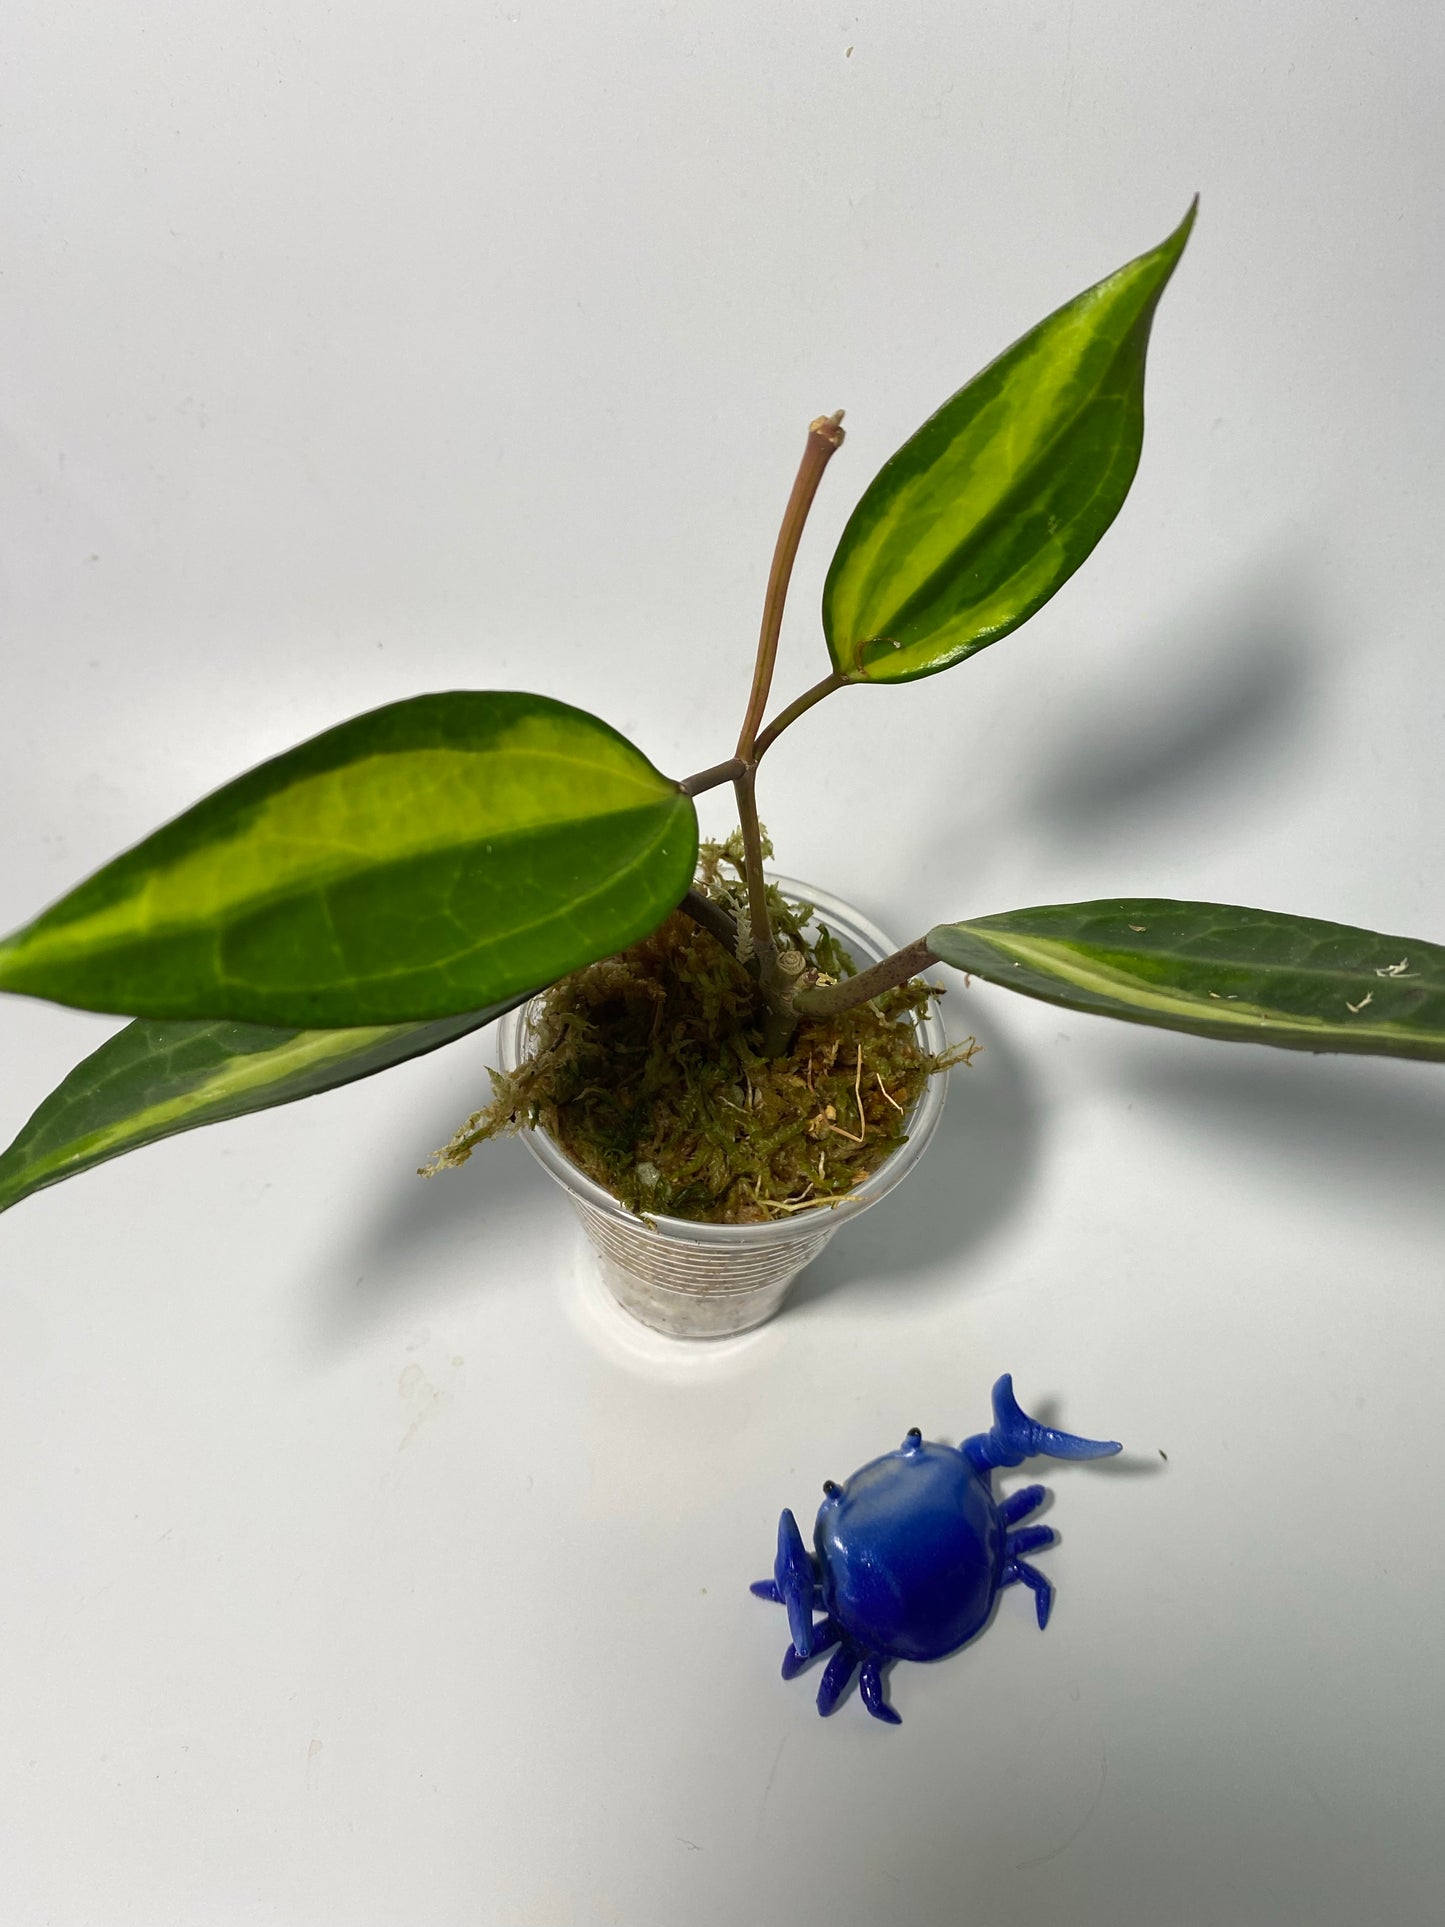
(1014,1436)
(793,1577)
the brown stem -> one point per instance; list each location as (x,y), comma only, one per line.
(828,1000)
(778,1028)
(708,779)
(764,947)
(825,438)
(794,710)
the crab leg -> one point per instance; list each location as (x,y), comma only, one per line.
(1019,1571)
(835,1679)
(1018,1505)
(825,1634)
(1028,1539)
(870,1686)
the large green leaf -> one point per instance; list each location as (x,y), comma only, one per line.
(1253,976)
(425,860)
(992,505)
(154,1079)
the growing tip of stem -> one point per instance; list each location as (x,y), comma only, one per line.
(825,437)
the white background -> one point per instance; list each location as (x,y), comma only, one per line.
(353,1567)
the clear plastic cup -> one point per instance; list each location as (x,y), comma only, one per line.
(694,1280)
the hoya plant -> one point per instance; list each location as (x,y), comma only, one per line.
(405,877)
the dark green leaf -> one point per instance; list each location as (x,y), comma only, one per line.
(1253,976)
(422,861)
(999,497)
(154,1079)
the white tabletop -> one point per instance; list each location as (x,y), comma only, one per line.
(357,1564)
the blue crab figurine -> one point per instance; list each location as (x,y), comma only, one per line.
(912,1551)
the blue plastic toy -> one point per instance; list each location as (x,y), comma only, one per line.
(912,1551)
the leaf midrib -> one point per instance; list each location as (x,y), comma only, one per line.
(68,937)
(929,590)
(1047,956)
(441,963)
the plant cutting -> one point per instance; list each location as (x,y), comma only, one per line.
(404,878)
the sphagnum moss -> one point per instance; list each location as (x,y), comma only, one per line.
(647,1070)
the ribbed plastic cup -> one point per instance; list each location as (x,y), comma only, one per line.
(694,1280)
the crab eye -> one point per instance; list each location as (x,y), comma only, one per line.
(830,1486)
(914,1433)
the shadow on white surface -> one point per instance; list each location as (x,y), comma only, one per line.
(422,1234)
(1164,743)
(1215,710)
(976,1177)
(1348,1129)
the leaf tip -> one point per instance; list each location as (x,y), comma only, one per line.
(1173,245)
